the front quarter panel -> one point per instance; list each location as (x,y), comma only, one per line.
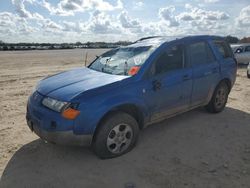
(93,108)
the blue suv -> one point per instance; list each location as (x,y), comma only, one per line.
(128,88)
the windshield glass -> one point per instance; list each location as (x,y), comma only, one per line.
(122,61)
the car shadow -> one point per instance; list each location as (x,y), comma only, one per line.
(195,149)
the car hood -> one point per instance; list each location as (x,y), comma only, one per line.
(66,85)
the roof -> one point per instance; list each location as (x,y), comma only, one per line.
(158,40)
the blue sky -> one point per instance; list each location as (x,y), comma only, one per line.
(114,20)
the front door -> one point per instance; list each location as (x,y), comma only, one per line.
(170,85)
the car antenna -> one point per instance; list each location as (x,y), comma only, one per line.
(86,59)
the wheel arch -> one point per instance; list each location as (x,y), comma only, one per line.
(128,108)
(228,82)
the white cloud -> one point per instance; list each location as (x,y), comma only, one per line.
(199,20)
(7,19)
(243,20)
(102,5)
(109,21)
(20,8)
(101,23)
(26,29)
(128,22)
(50,25)
(167,15)
(55,10)
(188,6)
(211,1)
(70,7)
(23,13)
(195,13)
(72,26)
(138,5)
(14,27)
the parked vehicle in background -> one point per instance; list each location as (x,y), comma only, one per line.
(131,87)
(242,53)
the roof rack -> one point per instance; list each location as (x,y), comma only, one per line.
(145,38)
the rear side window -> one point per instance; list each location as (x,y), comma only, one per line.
(200,53)
(224,49)
(172,59)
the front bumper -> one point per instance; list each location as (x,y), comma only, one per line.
(60,137)
(50,125)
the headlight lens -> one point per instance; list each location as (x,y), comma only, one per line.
(54,104)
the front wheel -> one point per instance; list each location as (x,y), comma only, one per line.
(116,135)
(219,98)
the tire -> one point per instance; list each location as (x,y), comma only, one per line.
(219,98)
(248,74)
(116,135)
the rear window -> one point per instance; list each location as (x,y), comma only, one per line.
(200,53)
(224,49)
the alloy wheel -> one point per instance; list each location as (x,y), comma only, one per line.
(119,138)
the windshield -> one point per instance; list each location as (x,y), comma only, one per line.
(122,61)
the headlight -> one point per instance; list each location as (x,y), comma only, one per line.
(54,104)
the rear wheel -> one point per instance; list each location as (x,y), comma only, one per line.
(248,73)
(219,98)
(116,135)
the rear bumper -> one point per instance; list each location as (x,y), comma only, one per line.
(60,137)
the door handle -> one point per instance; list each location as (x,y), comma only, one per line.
(186,77)
(156,85)
(208,73)
(214,70)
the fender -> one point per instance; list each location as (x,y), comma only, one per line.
(93,111)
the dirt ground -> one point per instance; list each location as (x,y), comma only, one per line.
(195,149)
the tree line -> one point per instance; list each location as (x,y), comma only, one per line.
(44,46)
(51,46)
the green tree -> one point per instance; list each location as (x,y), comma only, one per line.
(232,39)
(245,40)
(78,43)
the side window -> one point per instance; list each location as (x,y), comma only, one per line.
(223,48)
(247,49)
(200,53)
(171,59)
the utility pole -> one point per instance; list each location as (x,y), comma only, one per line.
(86,59)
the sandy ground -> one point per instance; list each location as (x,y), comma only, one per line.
(195,149)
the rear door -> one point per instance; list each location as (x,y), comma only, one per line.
(226,58)
(205,71)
